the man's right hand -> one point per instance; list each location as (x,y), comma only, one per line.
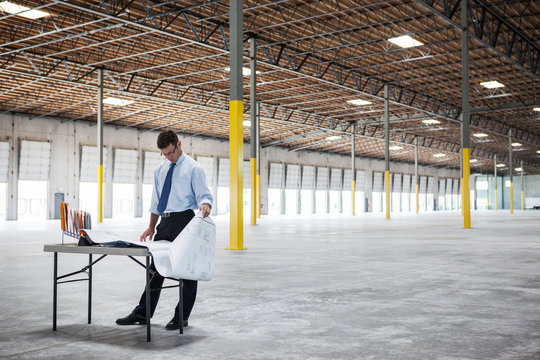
(147,233)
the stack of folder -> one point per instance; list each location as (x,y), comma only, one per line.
(72,221)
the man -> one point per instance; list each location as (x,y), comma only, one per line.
(179,188)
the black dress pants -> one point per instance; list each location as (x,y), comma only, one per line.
(168,229)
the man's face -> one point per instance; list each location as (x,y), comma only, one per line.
(172,152)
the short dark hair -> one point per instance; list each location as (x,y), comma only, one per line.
(166,138)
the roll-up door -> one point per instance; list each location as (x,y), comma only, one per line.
(152,160)
(378,185)
(347,180)
(89,164)
(449,183)
(292,176)
(442,187)
(423,184)
(456,186)
(322,178)
(397,183)
(223,172)
(308,178)
(125,166)
(276,173)
(4,161)
(430,182)
(35,160)
(406,187)
(207,163)
(360,180)
(335,179)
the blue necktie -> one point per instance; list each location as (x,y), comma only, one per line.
(162,205)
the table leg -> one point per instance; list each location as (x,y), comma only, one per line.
(181,305)
(148,305)
(90,289)
(55,286)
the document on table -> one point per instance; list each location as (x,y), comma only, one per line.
(190,256)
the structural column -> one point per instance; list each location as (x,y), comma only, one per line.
(236,140)
(416,174)
(465,143)
(510,167)
(353,175)
(258,159)
(522,199)
(254,129)
(100,145)
(386,152)
(495,175)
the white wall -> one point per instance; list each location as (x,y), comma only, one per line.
(67,138)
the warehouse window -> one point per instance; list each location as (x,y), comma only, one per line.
(274,188)
(406,193)
(306,194)
(396,192)
(33,177)
(4,169)
(223,192)
(152,160)
(125,176)
(88,189)
(336,184)
(292,183)
(321,189)
(378,188)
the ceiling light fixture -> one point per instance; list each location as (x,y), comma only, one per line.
(431,121)
(538,151)
(480,135)
(23,11)
(536,109)
(516,144)
(116,101)
(438,155)
(333,138)
(245,71)
(518,169)
(359,102)
(405,41)
(395,147)
(473,160)
(500,165)
(494,84)
(246,123)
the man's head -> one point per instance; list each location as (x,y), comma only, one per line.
(169,145)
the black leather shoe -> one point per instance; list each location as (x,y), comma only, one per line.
(132,319)
(174,324)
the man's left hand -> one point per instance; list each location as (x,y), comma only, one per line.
(205,208)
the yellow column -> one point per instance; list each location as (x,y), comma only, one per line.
(416,195)
(495,198)
(353,186)
(387,190)
(511,197)
(466,204)
(100,193)
(253,163)
(236,153)
(258,209)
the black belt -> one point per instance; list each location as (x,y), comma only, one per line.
(165,215)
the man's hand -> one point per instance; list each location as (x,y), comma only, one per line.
(205,208)
(147,233)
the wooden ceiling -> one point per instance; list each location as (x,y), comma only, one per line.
(170,59)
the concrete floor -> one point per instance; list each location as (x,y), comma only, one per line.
(414,287)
